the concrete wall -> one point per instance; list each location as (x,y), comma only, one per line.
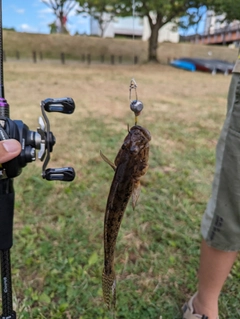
(168,51)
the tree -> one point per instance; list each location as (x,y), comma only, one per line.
(101,10)
(230,8)
(159,13)
(9,29)
(61,9)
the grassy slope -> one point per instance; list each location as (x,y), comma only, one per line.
(75,46)
(58,251)
(72,46)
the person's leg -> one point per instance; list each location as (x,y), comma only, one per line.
(221,221)
(220,227)
(215,266)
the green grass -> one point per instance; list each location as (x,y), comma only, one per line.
(57,257)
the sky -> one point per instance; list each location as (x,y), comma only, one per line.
(34,16)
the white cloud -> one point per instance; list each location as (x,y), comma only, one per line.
(45,11)
(27,28)
(18,10)
(74,11)
(49,10)
(46,16)
(37,3)
(46,1)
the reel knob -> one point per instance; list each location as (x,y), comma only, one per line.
(65,174)
(64,105)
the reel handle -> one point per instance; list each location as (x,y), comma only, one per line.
(64,105)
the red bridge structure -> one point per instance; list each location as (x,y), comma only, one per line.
(223,36)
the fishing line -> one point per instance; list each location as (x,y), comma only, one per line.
(133,14)
(135,105)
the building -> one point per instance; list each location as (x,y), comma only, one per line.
(134,28)
(118,27)
(168,33)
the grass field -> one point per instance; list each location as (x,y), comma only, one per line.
(50,46)
(57,256)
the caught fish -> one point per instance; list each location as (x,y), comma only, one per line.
(130,164)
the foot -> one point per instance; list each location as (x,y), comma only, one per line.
(201,307)
(190,311)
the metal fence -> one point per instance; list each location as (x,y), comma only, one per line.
(86,58)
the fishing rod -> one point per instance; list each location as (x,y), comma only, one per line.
(42,140)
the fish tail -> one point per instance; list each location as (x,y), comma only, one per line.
(109,288)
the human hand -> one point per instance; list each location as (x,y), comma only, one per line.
(9,149)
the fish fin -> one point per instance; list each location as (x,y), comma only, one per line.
(108,161)
(109,289)
(135,193)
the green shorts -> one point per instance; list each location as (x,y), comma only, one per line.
(221,221)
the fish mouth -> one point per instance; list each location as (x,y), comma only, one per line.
(145,132)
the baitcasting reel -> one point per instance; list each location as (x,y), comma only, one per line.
(42,140)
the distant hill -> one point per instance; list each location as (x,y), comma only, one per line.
(51,46)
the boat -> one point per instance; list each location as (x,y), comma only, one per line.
(205,65)
(186,65)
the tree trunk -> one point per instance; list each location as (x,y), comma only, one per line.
(61,22)
(153,44)
(153,40)
(101,26)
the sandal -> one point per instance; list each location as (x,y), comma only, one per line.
(188,311)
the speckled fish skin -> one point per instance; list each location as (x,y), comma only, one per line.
(130,164)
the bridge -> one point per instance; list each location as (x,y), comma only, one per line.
(221,36)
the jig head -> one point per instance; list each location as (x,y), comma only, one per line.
(135,105)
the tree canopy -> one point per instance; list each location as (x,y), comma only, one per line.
(103,11)
(159,13)
(61,9)
(230,8)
